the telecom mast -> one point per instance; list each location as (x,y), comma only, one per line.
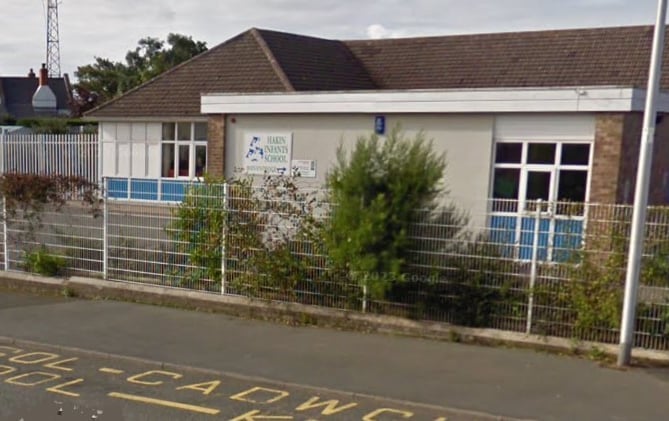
(52,42)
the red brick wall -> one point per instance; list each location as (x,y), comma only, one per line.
(606,160)
(660,173)
(616,156)
(216,145)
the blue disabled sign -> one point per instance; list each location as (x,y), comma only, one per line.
(380,124)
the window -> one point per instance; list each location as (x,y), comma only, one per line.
(551,171)
(184,150)
(524,173)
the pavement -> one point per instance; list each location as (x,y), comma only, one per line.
(159,350)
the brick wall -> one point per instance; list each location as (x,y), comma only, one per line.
(607,157)
(216,145)
(616,157)
(660,173)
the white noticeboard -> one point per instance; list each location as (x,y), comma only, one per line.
(268,153)
(304,168)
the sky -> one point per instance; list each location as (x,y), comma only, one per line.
(109,28)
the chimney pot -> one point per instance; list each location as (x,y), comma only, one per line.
(43,76)
(31,73)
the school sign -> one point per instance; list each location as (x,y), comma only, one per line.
(268,153)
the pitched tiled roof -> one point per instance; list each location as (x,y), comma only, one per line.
(578,57)
(17,96)
(238,65)
(316,64)
(269,61)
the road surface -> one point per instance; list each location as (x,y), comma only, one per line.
(139,362)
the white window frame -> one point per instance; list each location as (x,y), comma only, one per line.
(554,169)
(192,145)
(522,208)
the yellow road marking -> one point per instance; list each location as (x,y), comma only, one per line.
(256,415)
(46,377)
(169,404)
(110,370)
(28,358)
(59,388)
(200,387)
(136,378)
(372,415)
(56,364)
(244,396)
(8,348)
(330,407)
(6,369)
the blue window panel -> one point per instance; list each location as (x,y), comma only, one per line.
(568,237)
(503,233)
(117,188)
(173,191)
(144,189)
(544,237)
(527,239)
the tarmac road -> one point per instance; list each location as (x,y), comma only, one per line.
(41,382)
(277,370)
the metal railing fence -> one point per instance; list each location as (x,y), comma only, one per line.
(554,269)
(50,154)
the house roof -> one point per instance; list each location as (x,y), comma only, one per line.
(259,61)
(17,94)
(239,64)
(578,57)
(316,64)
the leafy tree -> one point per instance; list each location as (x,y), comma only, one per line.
(105,79)
(374,193)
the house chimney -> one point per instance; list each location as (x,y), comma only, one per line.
(31,74)
(44,99)
(43,76)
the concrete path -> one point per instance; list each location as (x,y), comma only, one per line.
(507,382)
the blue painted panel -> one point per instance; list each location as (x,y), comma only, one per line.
(503,233)
(568,237)
(173,191)
(527,238)
(117,188)
(144,189)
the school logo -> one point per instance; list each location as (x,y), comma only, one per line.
(256,152)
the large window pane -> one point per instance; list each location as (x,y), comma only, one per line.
(571,192)
(200,131)
(575,154)
(538,185)
(541,153)
(168,131)
(508,153)
(505,189)
(200,160)
(167,160)
(572,185)
(184,160)
(183,131)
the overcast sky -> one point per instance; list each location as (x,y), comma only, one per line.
(109,28)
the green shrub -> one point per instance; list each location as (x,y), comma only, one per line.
(42,262)
(259,227)
(199,228)
(374,193)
